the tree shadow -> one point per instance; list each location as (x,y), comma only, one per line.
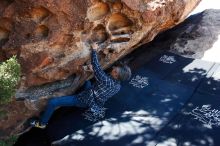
(136,122)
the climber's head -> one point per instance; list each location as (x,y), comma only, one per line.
(121,72)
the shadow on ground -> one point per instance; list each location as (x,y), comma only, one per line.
(156,107)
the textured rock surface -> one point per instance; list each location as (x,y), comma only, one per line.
(193,37)
(49,38)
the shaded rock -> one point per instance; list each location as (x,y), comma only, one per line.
(49,39)
(192,37)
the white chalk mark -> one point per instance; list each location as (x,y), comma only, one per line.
(139,82)
(206,115)
(167,59)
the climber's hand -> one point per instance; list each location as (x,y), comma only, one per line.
(94,46)
(88,68)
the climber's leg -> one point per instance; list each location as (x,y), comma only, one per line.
(53,104)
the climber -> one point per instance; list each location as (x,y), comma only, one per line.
(93,97)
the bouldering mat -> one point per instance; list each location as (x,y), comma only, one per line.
(142,108)
(198,124)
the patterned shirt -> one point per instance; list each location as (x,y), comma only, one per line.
(95,97)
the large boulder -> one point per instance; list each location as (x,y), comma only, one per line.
(193,38)
(50,40)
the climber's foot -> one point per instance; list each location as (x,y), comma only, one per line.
(37,124)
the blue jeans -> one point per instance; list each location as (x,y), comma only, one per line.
(54,103)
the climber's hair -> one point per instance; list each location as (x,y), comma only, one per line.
(124,72)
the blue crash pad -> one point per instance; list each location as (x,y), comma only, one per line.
(155,91)
(156,95)
(198,124)
(140,113)
(131,117)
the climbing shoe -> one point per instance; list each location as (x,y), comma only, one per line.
(37,124)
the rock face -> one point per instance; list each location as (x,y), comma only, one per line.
(193,37)
(50,39)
